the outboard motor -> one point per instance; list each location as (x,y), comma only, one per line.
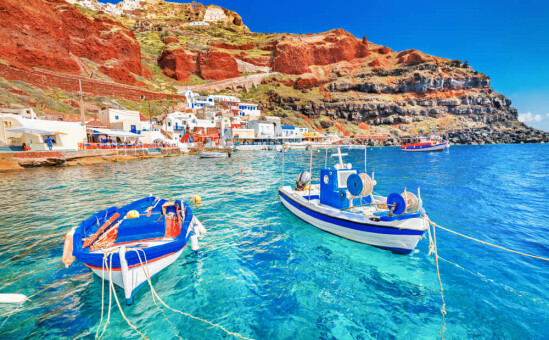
(303,180)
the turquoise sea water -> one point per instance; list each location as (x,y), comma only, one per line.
(266,274)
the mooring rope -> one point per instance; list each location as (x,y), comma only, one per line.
(119,306)
(28,298)
(443,309)
(487,279)
(105,264)
(153,297)
(487,243)
(102,296)
(433,246)
(178,311)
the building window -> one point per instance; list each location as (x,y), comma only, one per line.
(115,117)
(169,123)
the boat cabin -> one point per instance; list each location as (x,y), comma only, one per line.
(334,185)
(420,140)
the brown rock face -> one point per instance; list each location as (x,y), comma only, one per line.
(178,64)
(295,54)
(212,65)
(44,34)
(412,57)
(217,65)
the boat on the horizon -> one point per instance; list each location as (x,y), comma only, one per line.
(423,143)
(344,204)
(128,245)
(213,154)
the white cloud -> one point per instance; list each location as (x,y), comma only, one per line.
(529,117)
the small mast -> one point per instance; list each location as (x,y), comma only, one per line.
(339,155)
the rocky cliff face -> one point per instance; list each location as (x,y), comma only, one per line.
(55,35)
(330,81)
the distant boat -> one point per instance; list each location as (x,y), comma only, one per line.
(422,143)
(213,154)
(344,204)
(122,243)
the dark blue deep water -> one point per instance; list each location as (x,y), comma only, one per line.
(265,274)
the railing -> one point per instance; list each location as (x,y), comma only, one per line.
(121,146)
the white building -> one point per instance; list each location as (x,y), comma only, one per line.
(16,130)
(199,23)
(196,101)
(289,131)
(262,128)
(130,5)
(178,124)
(121,119)
(214,14)
(302,131)
(24,113)
(248,109)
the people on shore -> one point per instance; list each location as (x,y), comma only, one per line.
(25,147)
(48,141)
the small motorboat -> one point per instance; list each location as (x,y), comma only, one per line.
(344,204)
(213,154)
(421,143)
(128,245)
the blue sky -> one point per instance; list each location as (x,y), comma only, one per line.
(507,40)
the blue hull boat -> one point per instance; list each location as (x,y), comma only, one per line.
(128,245)
(344,204)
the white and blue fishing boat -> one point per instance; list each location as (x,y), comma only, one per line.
(128,245)
(344,204)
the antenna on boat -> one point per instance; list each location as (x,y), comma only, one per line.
(339,154)
(340,165)
(365,159)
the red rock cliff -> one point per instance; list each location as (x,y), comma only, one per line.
(294,54)
(39,33)
(212,65)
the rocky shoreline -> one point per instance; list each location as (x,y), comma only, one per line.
(475,136)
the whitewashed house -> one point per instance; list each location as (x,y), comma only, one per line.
(262,128)
(199,23)
(289,131)
(196,101)
(178,124)
(16,130)
(121,120)
(248,109)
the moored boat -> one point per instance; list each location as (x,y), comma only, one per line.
(130,244)
(344,204)
(213,154)
(422,143)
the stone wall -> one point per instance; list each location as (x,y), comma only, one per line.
(91,87)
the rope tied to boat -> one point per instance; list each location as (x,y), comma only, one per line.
(484,242)
(112,292)
(433,248)
(153,291)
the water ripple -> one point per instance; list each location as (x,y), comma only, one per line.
(264,273)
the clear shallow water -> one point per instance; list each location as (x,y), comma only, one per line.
(264,273)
